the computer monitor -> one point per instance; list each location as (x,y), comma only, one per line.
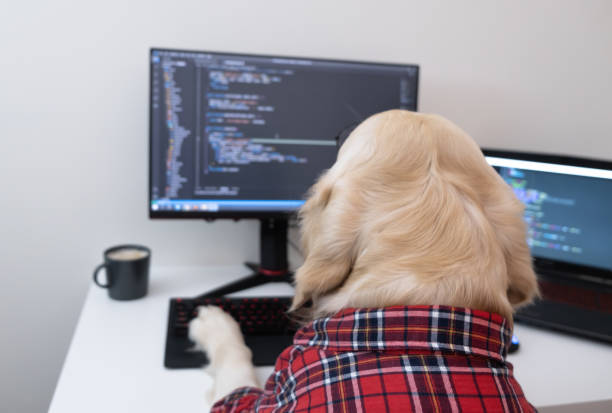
(568,209)
(245,136)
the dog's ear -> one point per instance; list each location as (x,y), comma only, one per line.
(328,242)
(505,212)
(522,281)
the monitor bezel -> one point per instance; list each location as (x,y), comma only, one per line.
(544,264)
(246,213)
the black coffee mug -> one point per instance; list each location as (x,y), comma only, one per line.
(127,271)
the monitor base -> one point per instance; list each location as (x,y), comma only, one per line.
(260,276)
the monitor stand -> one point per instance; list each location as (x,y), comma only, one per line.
(273,267)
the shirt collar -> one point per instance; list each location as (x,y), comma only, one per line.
(430,328)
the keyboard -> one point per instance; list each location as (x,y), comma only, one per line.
(267,330)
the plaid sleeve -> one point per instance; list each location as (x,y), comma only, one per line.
(250,399)
(240,400)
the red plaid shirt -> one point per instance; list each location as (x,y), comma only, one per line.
(394,359)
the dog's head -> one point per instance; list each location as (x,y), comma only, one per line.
(411,213)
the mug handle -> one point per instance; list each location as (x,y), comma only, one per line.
(95,275)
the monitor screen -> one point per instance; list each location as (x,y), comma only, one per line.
(568,206)
(246,136)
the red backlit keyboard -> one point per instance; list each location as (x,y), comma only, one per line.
(263,321)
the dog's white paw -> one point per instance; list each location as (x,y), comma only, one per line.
(212,328)
(219,335)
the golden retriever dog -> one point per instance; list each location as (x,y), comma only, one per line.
(410,223)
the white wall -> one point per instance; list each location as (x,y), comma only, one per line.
(530,75)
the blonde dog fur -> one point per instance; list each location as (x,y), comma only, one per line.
(410,213)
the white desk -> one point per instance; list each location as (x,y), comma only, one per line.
(115,361)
